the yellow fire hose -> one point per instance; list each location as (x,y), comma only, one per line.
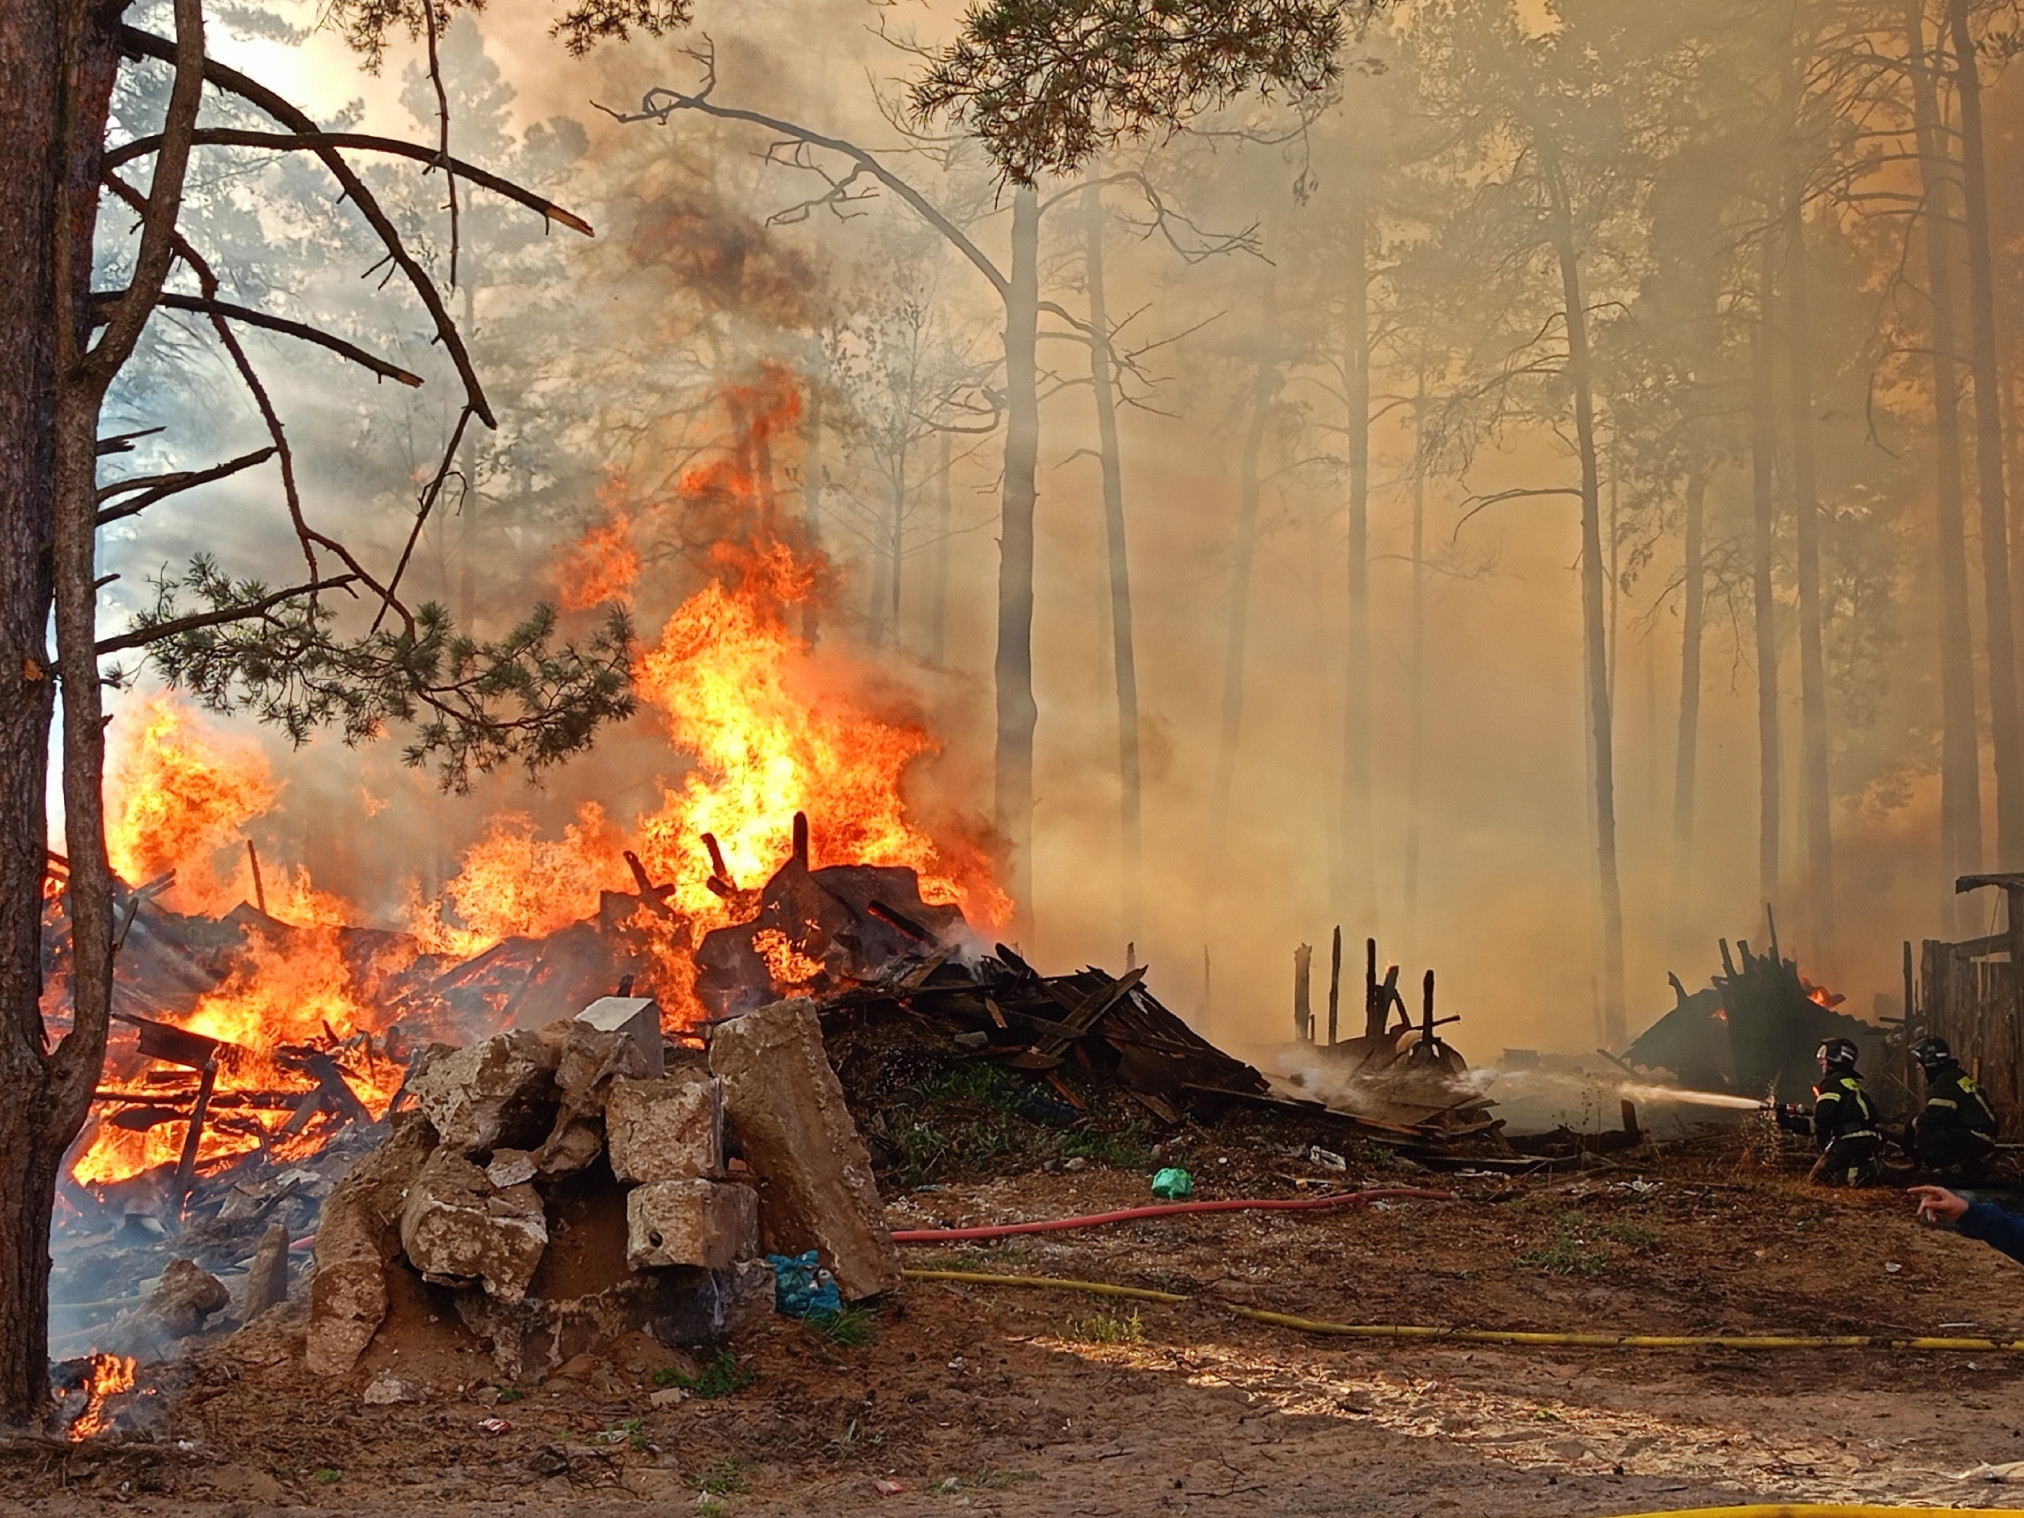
(1506,1336)
(1825,1510)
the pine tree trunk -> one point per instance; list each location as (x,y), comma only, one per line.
(58,61)
(938,563)
(1357,865)
(1124,658)
(890,546)
(1012,669)
(814,477)
(1264,396)
(1960,756)
(1764,516)
(1815,787)
(1686,753)
(1416,675)
(2006,733)
(1579,374)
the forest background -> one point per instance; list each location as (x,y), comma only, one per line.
(1378,678)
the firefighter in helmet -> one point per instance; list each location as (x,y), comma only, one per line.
(1956,1132)
(1844,1123)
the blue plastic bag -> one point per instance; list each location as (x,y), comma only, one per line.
(802,1288)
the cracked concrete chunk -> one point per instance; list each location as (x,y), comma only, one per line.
(499,1091)
(666,1130)
(356,1239)
(457,1228)
(815,1181)
(706,1223)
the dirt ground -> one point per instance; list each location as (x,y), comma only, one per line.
(1044,1404)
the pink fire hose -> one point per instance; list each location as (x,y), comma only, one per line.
(1167,1210)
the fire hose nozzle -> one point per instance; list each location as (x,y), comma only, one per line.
(1789,1115)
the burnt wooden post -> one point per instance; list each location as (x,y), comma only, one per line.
(259,886)
(1911,1020)
(1375,1009)
(1303,1010)
(186,1166)
(1334,984)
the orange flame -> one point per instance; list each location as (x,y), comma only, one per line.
(511,882)
(766,727)
(605,563)
(109,1376)
(297,993)
(178,795)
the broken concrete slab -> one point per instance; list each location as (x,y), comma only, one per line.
(183,1298)
(706,1223)
(574,1144)
(680,1305)
(666,1130)
(267,1274)
(815,1180)
(637,1019)
(356,1240)
(590,1058)
(500,1091)
(457,1228)
(511,1167)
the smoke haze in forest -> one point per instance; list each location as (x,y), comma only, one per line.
(1715,175)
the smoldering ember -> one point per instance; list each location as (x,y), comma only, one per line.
(1046,756)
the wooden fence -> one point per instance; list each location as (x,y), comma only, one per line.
(1968,996)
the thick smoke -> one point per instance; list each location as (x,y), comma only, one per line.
(724,257)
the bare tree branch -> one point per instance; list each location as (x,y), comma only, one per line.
(291,328)
(365,142)
(291,116)
(159,487)
(164,202)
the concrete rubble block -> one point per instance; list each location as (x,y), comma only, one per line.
(500,1091)
(186,1295)
(574,1144)
(637,1020)
(666,1130)
(815,1181)
(677,1306)
(183,1298)
(458,1228)
(357,1238)
(511,1167)
(267,1274)
(706,1223)
(594,1049)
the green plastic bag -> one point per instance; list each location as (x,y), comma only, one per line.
(1173,1185)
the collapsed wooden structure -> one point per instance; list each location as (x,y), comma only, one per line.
(1754,1031)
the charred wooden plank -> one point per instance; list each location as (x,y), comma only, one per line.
(898,919)
(1085,1017)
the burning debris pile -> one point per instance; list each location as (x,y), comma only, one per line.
(1753,1031)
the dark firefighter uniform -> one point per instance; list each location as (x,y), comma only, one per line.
(1957,1130)
(1844,1123)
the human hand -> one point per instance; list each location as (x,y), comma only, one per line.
(1937,1204)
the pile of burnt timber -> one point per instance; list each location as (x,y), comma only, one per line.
(1402,1081)
(883,967)
(1753,1030)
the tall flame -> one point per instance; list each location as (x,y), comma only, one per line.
(179,795)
